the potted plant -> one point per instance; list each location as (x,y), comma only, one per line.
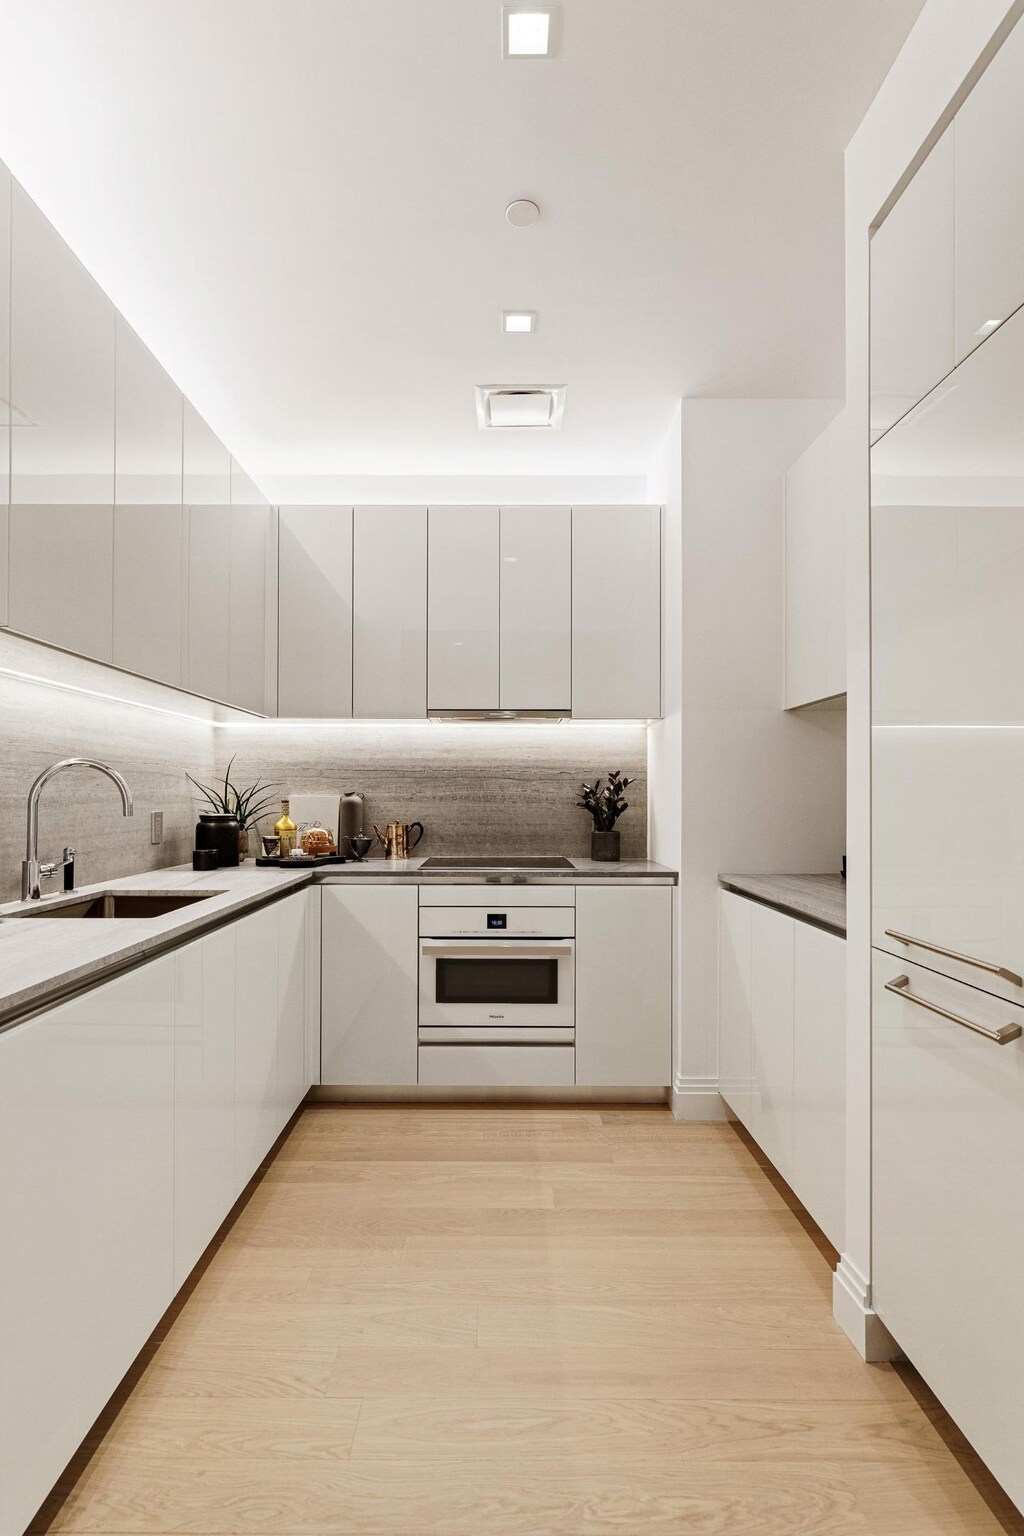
(605,803)
(245,806)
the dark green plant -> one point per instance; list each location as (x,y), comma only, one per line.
(604,801)
(246,805)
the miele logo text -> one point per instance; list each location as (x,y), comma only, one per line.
(495,1015)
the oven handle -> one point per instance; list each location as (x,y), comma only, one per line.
(497,949)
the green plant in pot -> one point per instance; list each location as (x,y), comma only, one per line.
(605,803)
(247,805)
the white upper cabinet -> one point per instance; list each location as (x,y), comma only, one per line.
(462,608)
(315,612)
(616,612)
(62,455)
(536,602)
(389,613)
(209,598)
(249,632)
(206,463)
(912,291)
(149,522)
(816,573)
(989,134)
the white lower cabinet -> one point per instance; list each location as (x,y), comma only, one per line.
(86,1178)
(256,1092)
(948,1240)
(782,1034)
(292,1076)
(370,981)
(623,986)
(497,1066)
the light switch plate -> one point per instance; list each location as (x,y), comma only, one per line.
(156,827)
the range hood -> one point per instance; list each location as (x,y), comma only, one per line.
(500,716)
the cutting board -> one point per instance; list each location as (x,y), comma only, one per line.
(324,810)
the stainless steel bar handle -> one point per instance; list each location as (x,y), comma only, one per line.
(1002,1036)
(496,949)
(952,954)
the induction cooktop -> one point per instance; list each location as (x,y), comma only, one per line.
(498,861)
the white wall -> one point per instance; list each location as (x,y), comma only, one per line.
(757,789)
(949,45)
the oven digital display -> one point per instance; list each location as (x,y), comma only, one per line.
(497,919)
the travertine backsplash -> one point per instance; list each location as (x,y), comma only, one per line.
(476,788)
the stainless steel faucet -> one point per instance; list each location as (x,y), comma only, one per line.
(32,872)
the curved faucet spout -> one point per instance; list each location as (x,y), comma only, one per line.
(31,869)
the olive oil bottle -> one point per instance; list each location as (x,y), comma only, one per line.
(285,829)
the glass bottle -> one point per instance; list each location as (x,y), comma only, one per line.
(285,829)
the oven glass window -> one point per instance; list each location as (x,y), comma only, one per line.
(496,981)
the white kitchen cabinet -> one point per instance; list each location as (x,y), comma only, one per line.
(248,638)
(819,1077)
(782,1047)
(816,573)
(989,138)
(206,463)
(496,1066)
(912,291)
(623,986)
(149,427)
(150,553)
(315,612)
(61,575)
(616,613)
(462,608)
(292,1077)
(535,583)
(257,1096)
(227,639)
(370,981)
(86,1183)
(948,1240)
(205,1183)
(389,613)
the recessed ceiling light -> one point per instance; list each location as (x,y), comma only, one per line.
(522,213)
(525,32)
(518,322)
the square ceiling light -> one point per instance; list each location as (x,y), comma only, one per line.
(520,407)
(525,32)
(518,322)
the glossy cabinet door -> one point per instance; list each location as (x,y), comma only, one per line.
(389,613)
(292,1077)
(623,986)
(616,613)
(248,625)
(535,608)
(819,1077)
(370,971)
(5,380)
(807,595)
(736,1005)
(62,463)
(772,989)
(204,1094)
(315,613)
(206,463)
(462,608)
(257,1095)
(948,1240)
(86,1186)
(208,644)
(912,291)
(989,141)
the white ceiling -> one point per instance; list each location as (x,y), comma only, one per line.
(299,204)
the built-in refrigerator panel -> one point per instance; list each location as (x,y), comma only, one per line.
(947,533)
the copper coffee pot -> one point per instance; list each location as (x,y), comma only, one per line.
(397,840)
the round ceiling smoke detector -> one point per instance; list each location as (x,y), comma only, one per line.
(522,213)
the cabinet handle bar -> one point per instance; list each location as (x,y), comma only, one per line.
(1002,1036)
(952,954)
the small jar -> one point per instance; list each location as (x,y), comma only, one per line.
(222,833)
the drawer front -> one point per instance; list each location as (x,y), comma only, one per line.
(501,891)
(948,1238)
(497,1066)
(498,921)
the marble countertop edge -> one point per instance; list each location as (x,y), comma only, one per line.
(818,899)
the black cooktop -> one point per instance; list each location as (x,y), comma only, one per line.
(499,861)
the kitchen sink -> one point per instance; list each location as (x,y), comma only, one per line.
(120,904)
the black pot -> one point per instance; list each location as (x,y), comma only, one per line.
(604,847)
(221,833)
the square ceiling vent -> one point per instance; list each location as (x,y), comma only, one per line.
(500,407)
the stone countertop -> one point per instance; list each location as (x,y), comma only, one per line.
(43,958)
(816,898)
(582,869)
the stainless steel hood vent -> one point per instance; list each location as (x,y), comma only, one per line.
(500,716)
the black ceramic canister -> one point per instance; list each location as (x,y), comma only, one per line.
(221,833)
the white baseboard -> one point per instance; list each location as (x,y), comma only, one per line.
(852,1310)
(697,1098)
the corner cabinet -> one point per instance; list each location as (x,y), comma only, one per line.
(130,1119)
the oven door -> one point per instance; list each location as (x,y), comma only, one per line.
(495,984)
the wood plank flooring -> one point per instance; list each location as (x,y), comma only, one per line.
(521,1322)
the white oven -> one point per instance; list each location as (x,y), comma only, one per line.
(497,975)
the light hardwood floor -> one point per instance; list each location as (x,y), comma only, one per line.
(520,1322)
